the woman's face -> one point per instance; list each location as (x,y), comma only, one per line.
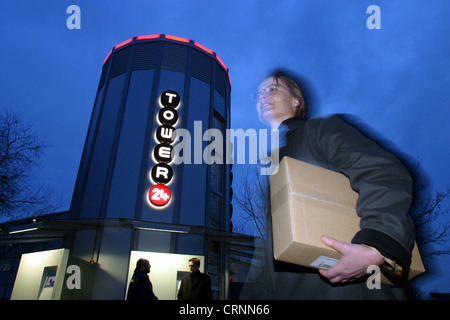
(275,103)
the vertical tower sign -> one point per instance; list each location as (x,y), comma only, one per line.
(162,173)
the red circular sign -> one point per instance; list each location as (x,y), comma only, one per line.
(159,195)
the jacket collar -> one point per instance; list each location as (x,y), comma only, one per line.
(289,125)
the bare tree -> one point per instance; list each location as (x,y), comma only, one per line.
(252,196)
(20,151)
(429,214)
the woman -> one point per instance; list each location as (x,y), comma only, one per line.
(385,195)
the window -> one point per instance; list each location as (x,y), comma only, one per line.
(215,211)
(214,267)
(216,179)
(6,264)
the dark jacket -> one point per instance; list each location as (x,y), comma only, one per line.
(195,286)
(140,287)
(385,197)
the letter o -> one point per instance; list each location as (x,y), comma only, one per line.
(168,116)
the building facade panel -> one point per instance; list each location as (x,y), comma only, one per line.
(131,145)
(100,159)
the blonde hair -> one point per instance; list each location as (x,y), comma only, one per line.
(196,261)
(293,87)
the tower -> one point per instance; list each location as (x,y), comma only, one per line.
(129,192)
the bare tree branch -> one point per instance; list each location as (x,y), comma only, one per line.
(430,211)
(20,152)
(252,197)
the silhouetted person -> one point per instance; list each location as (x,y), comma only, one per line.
(141,287)
(196,285)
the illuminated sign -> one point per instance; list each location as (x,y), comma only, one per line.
(162,173)
(160,195)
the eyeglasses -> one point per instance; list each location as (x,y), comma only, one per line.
(266,91)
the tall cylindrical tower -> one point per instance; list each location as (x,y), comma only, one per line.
(129,188)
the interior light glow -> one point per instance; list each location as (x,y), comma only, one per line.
(161,230)
(177,38)
(123,43)
(221,62)
(203,47)
(151,36)
(23,230)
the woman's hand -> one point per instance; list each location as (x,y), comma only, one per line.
(353,263)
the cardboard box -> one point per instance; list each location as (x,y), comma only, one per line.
(309,201)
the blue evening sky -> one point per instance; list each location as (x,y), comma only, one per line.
(394,79)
